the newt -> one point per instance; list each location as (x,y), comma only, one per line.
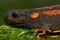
(45,19)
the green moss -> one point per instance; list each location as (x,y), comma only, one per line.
(9,33)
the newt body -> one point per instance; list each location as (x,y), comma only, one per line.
(46,16)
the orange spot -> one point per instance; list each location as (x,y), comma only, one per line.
(34,15)
(52,12)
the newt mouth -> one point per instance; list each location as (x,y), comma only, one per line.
(14,22)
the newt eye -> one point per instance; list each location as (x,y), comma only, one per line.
(34,15)
(14,15)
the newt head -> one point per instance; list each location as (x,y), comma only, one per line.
(28,18)
(15,18)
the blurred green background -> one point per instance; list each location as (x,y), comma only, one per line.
(7,5)
(9,33)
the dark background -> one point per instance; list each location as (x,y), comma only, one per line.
(7,5)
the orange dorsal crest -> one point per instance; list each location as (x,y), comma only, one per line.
(52,12)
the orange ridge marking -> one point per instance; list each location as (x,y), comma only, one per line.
(52,12)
